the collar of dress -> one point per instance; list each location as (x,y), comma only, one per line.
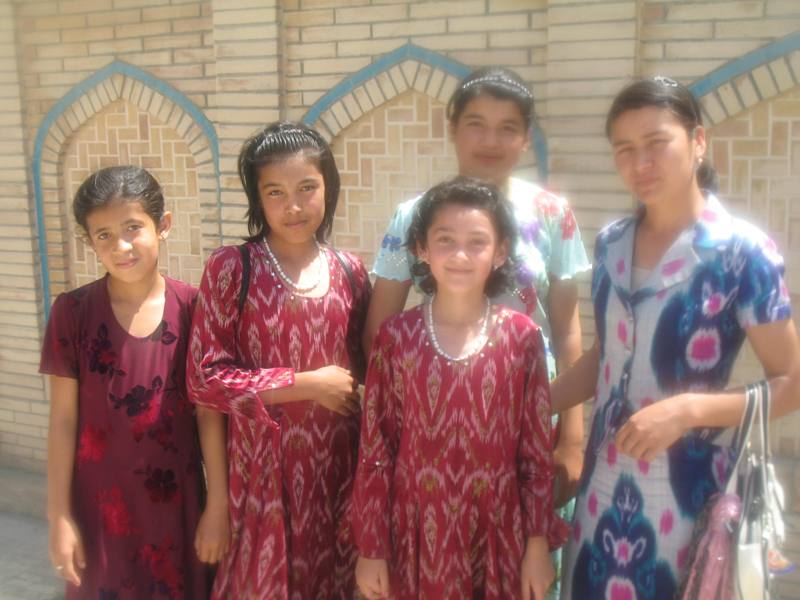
(710,231)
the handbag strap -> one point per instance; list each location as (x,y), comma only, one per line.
(741,435)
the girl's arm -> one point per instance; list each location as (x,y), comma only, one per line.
(577,384)
(213,530)
(655,428)
(372,502)
(66,547)
(214,375)
(535,451)
(388,299)
(566,330)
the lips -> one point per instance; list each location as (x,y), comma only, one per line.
(126,264)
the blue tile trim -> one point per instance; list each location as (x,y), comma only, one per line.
(73,95)
(745,64)
(412,52)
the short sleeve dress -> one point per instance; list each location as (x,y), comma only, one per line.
(455,468)
(291,466)
(137,483)
(681,330)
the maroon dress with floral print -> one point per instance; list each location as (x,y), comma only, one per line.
(137,483)
(290,466)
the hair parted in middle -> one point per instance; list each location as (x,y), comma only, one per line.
(473,193)
(277,142)
(498,82)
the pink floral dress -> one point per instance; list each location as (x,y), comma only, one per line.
(137,484)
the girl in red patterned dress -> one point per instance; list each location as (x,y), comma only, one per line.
(123,467)
(283,364)
(453,492)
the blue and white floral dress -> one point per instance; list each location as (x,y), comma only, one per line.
(549,244)
(680,331)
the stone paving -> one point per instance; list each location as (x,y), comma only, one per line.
(25,572)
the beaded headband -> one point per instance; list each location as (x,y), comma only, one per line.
(499,80)
(665,81)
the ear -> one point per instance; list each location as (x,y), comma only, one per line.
(528,139)
(500,254)
(421,252)
(165,225)
(700,142)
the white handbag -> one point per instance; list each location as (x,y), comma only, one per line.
(761,527)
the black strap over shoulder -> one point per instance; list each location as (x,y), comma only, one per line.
(245,286)
(348,271)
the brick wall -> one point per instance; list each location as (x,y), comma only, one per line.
(241,63)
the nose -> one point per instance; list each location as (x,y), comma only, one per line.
(642,160)
(293,203)
(123,244)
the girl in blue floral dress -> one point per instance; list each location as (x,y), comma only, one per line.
(676,287)
(123,468)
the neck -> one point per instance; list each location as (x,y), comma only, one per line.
(293,254)
(458,310)
(137,292)
(675,214)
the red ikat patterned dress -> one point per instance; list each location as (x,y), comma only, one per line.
(137,482)
(291,466)
(455,469)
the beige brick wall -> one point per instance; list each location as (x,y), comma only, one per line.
(247,62)
(23,411)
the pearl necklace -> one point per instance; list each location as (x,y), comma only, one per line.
(288,280)
(474,347)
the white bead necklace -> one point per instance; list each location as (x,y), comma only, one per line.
(288,280)
(475,346)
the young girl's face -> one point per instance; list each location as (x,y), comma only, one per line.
(292,193)
(655,155)
(125,239)
(490,137)
(462,248)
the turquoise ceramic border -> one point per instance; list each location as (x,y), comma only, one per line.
(75,94)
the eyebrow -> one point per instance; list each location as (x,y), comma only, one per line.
(125,222)
(652,134)
(277,184)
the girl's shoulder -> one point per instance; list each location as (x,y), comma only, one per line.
(80,300)
(402,326)
(185,293)
(526,195)
(517,321)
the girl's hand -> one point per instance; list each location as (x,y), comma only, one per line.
(372,577)
(568,459)
(653,429)
(537,573)
(336,390)
(213,534)
(66,549)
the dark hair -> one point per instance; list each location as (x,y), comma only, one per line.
(277,142)
(666,93)
(122,183)
(498,82)
(474,193)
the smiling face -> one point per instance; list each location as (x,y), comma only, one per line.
(462,248)
(655,155)
(490,136)
(125,239)
(292,193)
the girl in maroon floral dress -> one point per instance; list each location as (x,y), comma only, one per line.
(123,468)
(275,346)
(454,485)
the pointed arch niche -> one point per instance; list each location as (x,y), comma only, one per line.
(120,115)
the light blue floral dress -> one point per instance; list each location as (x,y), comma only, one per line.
(549,243)
(680,331)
